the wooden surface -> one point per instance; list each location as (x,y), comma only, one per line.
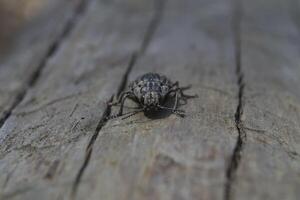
(239,140)
(270,164)
(21,68)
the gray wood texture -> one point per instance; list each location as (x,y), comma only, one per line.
(174,158)
(239,140)
(38,42)
(270,163)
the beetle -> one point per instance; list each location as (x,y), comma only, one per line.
(151,91)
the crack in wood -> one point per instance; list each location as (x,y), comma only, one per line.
(159,10)
(89,148)
(157,16)
(241,139)
(124,80)
(159,7)
(8,112)
(32,80)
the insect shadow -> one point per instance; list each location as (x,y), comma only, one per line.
(161,114)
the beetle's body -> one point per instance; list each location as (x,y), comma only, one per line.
(150,92)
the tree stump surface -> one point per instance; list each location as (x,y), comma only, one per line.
(240,138)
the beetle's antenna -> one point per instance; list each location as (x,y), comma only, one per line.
(129,115)
(171,109)
(175,111)
(133,113)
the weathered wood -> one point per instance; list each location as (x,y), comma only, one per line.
(170,157)
(43,141)
(270,162)
(236,142)
(37,43)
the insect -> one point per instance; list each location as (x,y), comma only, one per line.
(150,91)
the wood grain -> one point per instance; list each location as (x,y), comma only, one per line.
(270,161)
(239,140)
(37,42)
(43,142)
(168,157)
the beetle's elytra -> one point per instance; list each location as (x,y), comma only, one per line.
(150,91)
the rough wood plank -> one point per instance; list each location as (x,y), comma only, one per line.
(170,157)
(35,45)
(43,142)
(270,163)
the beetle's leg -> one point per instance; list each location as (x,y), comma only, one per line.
(180,114)
(137,107)
(129,114)
(167,108)
(124,97)
(120,98)
(132,113)
(182,96)
(185,95)
(176,87)
(175,111)
(135,99)
(181,89)
(176,101)
(120,113)
(176,84)
(171,109)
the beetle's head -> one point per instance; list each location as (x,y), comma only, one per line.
(151,99)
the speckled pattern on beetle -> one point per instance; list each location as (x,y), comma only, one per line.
(150,91)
